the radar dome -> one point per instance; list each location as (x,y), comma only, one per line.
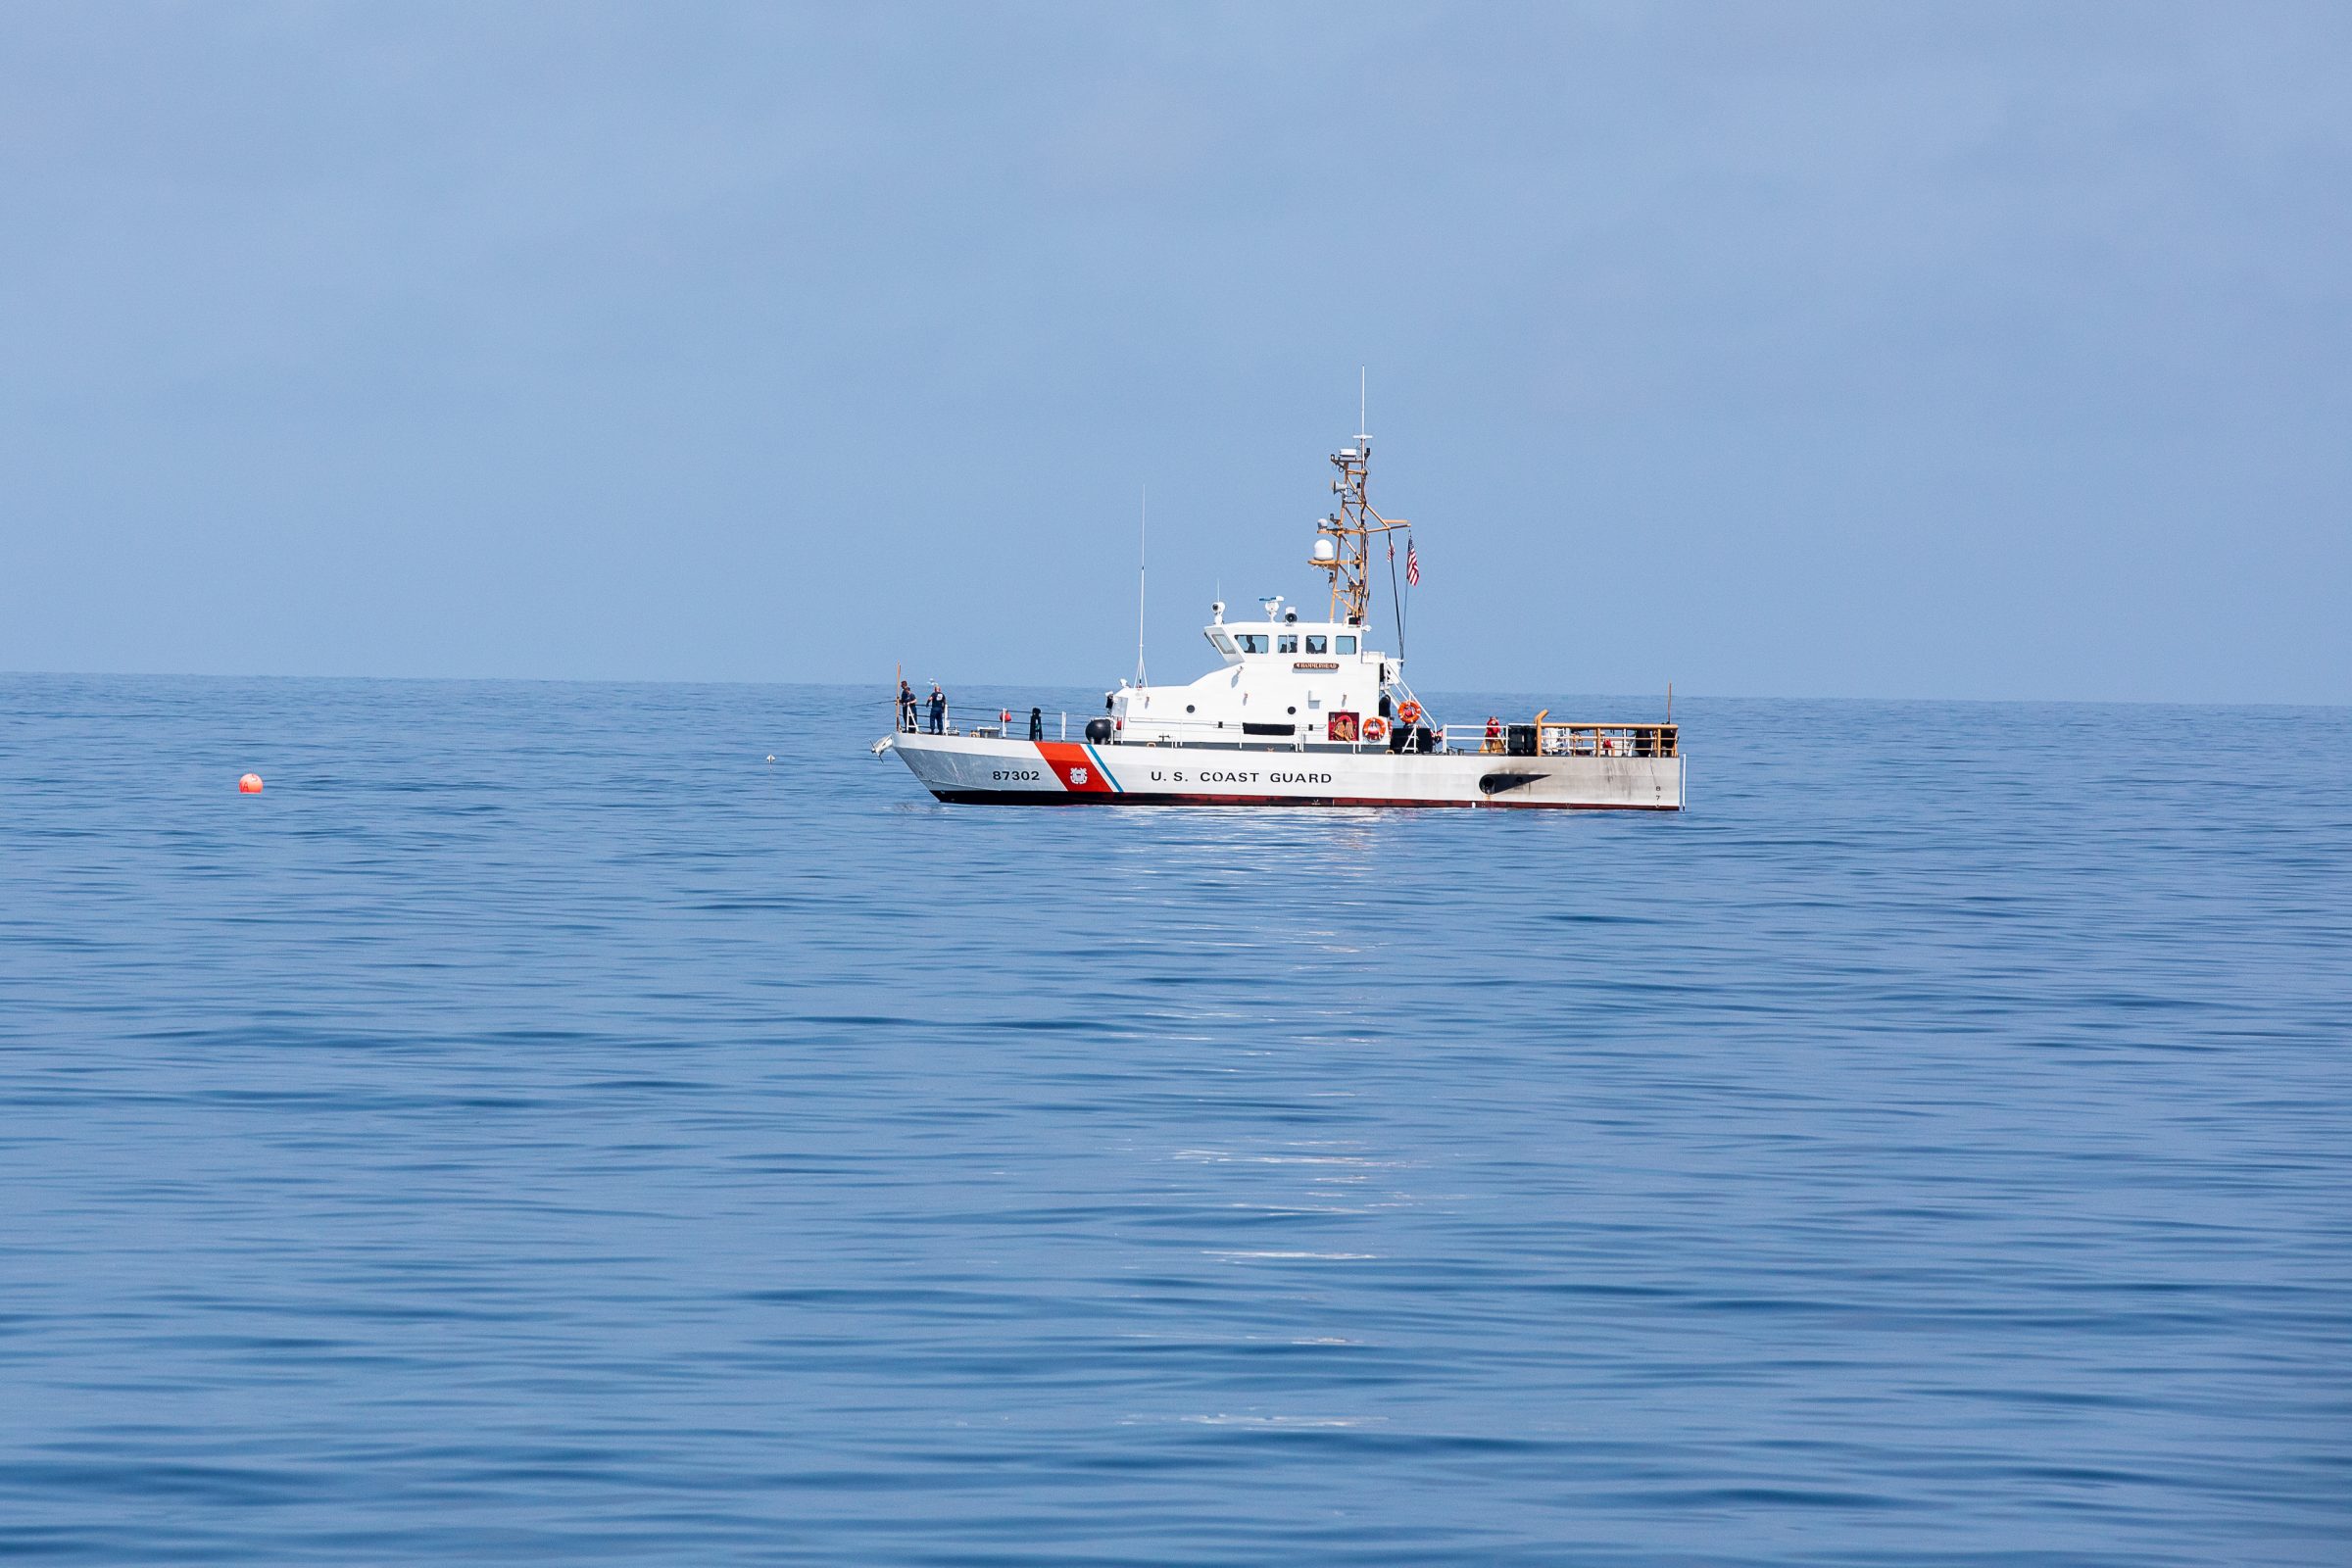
(1327,548)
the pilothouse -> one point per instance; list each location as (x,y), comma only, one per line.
(1299,712)
(1281,682)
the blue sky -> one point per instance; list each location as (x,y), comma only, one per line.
(1967,351)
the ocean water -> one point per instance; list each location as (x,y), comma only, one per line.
(542,1129)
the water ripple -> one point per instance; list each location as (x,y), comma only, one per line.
(538,1129)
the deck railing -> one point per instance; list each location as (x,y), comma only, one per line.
(990,720)
(1607,740)
(1549,737)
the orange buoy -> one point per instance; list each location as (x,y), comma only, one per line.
(250,784)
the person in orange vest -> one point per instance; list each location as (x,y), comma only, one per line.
(1493,732)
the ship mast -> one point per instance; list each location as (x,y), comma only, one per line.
(1348,555)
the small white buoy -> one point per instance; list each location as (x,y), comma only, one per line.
(772,757)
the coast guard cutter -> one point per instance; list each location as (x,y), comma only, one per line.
(1299,712)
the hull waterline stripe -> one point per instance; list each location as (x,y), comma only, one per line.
(1138,798)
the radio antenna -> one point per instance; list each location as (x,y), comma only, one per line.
(1143,535)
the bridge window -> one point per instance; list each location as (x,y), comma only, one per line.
(1288,645)
(1343,645)
(1223,642)
(1316,645)
(1252,642)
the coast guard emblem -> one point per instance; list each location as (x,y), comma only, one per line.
(1077,775)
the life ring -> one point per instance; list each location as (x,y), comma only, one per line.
(1376,729)
(1408,712)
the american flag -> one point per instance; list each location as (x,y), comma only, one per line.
(1412,565)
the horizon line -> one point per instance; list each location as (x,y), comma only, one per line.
(1681,693)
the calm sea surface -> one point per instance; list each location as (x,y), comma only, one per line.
(541,1129)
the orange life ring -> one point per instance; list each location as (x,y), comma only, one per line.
(1409,712)
(1376,729)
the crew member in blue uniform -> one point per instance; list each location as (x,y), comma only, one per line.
(939,709)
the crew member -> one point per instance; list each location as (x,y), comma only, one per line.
(906,705)
(1037,724)
(939,709)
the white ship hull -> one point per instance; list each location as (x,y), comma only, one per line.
(985,769)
